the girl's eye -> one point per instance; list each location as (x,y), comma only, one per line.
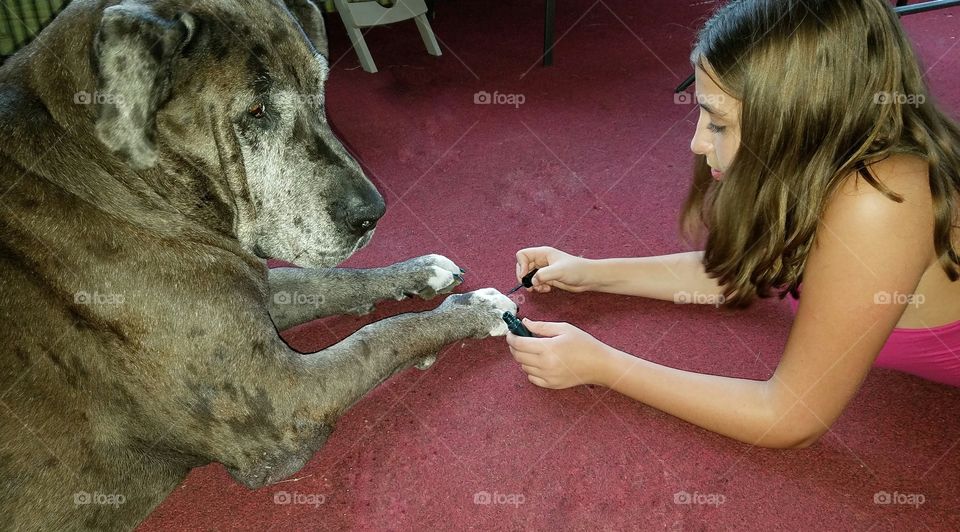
(715,128)
(257,110)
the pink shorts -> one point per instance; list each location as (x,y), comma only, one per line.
(933,353)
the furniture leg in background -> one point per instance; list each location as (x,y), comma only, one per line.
(549,25)
(357,15)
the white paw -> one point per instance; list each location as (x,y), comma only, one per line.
(440,278)
(498,304)
(443,272)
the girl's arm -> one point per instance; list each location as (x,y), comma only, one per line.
(867,245)
(666,277)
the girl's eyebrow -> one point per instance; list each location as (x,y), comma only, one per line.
(710,110)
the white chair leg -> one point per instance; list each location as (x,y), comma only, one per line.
(357,15)
(363,53)
(356,36)
(426,32)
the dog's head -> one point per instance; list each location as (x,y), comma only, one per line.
(234,91)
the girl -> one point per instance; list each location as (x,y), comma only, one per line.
(820,160)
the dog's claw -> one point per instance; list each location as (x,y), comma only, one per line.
(426,362)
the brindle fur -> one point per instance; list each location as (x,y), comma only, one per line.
(138,321)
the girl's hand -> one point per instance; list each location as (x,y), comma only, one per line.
(557,268)
(565,356)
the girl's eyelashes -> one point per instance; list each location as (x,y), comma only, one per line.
(715,128)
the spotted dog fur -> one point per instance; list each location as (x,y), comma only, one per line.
(151,154)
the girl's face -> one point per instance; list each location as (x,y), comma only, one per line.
(718,128)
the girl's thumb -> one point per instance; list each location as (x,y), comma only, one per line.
(542,328)
(545,274)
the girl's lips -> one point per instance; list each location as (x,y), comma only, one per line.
(717,174)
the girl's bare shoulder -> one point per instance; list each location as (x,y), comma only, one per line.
(904,174)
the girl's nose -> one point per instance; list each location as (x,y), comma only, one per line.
(699,144)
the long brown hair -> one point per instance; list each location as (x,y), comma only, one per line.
(825,87)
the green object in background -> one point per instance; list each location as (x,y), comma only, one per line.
(21,20)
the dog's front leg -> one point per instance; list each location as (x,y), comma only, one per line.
(300,295)
(375,352)
(325,384)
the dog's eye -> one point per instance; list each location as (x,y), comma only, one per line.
(257,110)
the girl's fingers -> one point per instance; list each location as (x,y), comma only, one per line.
(563,286)
(524,359)
(531,346)
(526,260)
(537,380)
(528,369)
(543,329)
(530,258)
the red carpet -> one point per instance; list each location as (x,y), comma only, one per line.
(595,161)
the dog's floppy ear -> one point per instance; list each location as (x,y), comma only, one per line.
(132,55)
(311,20)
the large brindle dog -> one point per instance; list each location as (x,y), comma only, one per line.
(152,153)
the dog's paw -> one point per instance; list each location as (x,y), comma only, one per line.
(485,308)
(426,277)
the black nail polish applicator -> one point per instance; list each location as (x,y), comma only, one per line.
(526,282)
(513,323)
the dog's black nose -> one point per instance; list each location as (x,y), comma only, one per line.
(363,218)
